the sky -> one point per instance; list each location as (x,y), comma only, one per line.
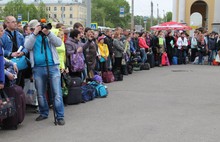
(143,7)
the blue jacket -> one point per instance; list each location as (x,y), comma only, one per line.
(8,44)
(2,75)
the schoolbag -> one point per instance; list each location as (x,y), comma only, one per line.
(101,89)
(77,62)
(88,92)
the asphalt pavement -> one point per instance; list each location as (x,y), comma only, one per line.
(165,104)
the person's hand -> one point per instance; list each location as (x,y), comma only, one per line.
(99,56)
(20,54)
(79,49)
(106,58)
(37,30)
(1,86)
(15,54)
(66,70)
(45,31)
(61,70)
(10,76)
(15,68)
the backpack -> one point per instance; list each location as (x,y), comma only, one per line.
(77,62)
(88,92)
(101,90)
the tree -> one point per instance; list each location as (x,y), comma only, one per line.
(106,13)
(16,7)
(169,16)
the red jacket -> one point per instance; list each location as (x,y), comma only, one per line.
(142,43)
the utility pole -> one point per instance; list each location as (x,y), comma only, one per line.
(152,12)
(88,18)
(132,15)
(158,21)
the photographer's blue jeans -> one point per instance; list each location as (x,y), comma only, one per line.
(143,55)
(41,78)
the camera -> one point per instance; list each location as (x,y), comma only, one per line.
(47,26)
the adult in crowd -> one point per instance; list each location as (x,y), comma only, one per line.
(182,44)
(201,47)
(90,52)
(12,40)
(170,41)
(143,46)
(45,63)
(2,75)
(211,47)
(119,49)
(194,46)
(109,41)
(74,46)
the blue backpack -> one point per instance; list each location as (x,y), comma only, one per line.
(88,92)
(101,89)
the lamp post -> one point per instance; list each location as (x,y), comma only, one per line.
(62,11)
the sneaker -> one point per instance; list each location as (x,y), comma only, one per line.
(40,117)
(61,121)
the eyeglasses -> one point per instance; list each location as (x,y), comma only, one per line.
(12,22)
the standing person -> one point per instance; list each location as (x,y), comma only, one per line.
(74,46)
(2,75)
(12,40)
(194,46)
(201,48)
(103,54)
(170,41)
(143,46)
(211,47)
(182,43)
(109,41)
(119,49)
(42,46)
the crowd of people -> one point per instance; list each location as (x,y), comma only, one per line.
(52,52)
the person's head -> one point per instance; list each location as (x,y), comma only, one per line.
(128,37)
(88,32)
(11,23)
(78,26)
(142,34)
(27,29)
(117,35)
(33,24)
(61,34)
(60,26)
(101,39)
(108,32)
(1,30)
(183,34)
(75,34)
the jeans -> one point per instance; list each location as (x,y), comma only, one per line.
(212,55)
(143,55)
(200,57)
(41,79)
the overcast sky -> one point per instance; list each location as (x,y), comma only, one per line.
(143,7)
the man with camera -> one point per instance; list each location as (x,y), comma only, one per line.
(45,64)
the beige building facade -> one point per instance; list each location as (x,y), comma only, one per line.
(67,13)
(208,9)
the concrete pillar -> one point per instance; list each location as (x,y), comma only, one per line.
(182,4)
(216,21)
(174,17)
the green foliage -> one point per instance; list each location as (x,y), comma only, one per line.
(16,7)
(169,16)
(106,13)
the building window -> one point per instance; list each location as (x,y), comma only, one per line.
(49,8)
(49,16)
(62,8)
(55,8)
(71,22)
(55,16)
(71,8)
(71,15)
(64,15)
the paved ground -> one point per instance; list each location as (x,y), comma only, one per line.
(169,104)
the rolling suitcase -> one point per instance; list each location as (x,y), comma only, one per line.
(16,92)
(151,60)
(74,92)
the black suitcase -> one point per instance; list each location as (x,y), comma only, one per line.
(124,69)
(118,75)
(151,60)
(18,93)
(145,66)
(76,82)
(130,69)
(74,95)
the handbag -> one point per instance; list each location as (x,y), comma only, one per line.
(22,62)
(30,92)
(102,59)
(7,105)
(67,79)
(217,59)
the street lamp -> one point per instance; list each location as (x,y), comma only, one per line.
(62,11)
